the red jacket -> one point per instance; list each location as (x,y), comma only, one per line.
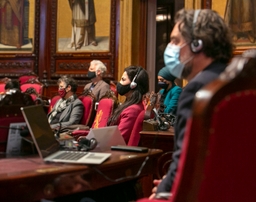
(127,120)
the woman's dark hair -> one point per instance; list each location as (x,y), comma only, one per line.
(136,97)
(69,81)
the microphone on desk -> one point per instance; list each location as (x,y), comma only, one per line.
(161,124)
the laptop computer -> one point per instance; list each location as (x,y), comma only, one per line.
(47,145)
(106,137)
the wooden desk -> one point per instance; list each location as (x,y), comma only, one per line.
(163,140)
(30,179)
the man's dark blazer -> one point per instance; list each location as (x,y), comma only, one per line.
(183,113)
(71,115)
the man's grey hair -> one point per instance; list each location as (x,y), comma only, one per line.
(99,66)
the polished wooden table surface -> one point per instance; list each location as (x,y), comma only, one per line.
(30,179)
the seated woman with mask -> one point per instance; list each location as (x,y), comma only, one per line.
(68,110)
(133,85)
(169,92)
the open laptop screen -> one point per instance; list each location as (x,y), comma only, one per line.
(40,130)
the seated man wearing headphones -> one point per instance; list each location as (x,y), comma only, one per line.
(200,49)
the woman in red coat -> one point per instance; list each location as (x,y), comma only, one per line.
(134,84)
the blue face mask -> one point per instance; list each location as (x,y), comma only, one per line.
(172,61)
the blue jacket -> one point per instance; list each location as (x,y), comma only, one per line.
(171,99)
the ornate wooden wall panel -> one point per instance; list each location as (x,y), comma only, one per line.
(77,63)
(49,63)
(17,62)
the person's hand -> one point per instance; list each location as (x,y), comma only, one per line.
(156,183)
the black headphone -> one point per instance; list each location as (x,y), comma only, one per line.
(196,44)
(87,144)
(133,83)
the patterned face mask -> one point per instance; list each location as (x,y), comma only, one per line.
(62,92)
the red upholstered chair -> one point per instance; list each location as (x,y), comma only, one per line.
(113,87)
(2,85)
(88,100)
(3,81)
(135,135)
(27,77)
(105,108)
(104,111)
(53,101)
(32,84)
(218,157)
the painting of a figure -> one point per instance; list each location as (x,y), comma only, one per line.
(83,25)
(240,16)
(14,24)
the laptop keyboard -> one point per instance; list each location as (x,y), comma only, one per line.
(70,155)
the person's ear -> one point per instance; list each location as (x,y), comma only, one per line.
(68,88)
(98,72)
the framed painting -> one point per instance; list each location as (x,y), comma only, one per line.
(240,17)
(19,37)
(81,31)
(17,20)
(84,26)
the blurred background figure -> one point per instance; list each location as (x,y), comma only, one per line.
(169,92)
(95,74)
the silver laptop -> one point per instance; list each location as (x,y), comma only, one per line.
(106,137)
(48,147)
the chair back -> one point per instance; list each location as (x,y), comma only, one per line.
(88,100)
(112,86)
(105,108)
(33,86)
(2,90)
(3,81)
(54,99)
(24,78)
(135,135)
(218,152)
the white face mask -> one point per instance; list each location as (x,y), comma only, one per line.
(172,61)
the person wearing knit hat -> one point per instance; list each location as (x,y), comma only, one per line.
(169,92)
